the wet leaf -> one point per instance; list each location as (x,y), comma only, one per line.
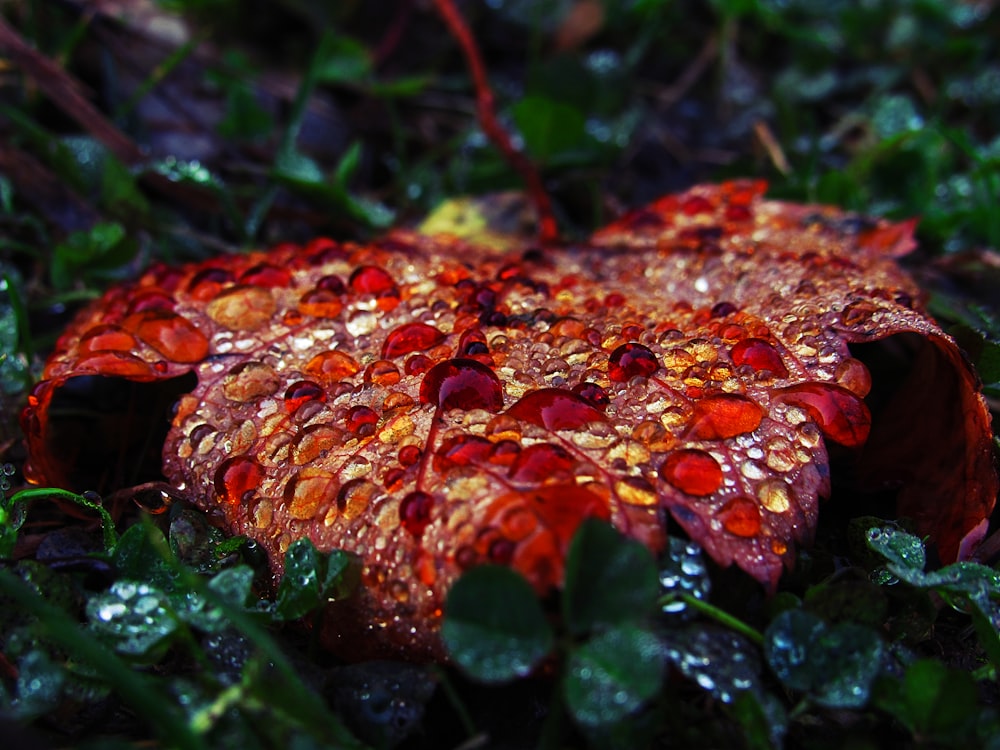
(610,579)
(719,661)
(494,627)
(432,405)
(613,674)
(311,578)
(137,618)
(683,571)
(932,700)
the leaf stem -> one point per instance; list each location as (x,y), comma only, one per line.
(717,614)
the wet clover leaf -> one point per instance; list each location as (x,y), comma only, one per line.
(682,572)
(136,617)
(719,661)
(613,674)
(834,665)
(904,552)
(609,579)
(311,578)
(932,701)
(37,690)
(494,626)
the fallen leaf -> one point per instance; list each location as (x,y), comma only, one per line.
(432,405)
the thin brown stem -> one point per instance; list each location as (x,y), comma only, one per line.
(548,230)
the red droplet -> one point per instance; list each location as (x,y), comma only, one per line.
(418,364)
(321,303)
(631,360)
(540,462)
(332,283)
(461,450)
(361,420)
(409,455)
(724,415)
(300,392)
(237,478)
(322,250)
(410,337)
(415,512)
(504,452)
(206,285)
(115,364)
(593,393)
(555,409)
(371,280)
(722,309)
(696,204)
(472,343)
(174,337)
(151,299)
(462,384)
(741,516)
(841,415)
(760,355)
(266,275)
(106,338)
(692,471)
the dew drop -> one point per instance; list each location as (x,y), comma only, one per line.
(315,441)
(249,381)
(759,355)
(462,384)
(361,420)
(172,336)
(308,492)
(629,361)
(636,491)
(741,517)
(853,375)
(409,455)
(242,308)
(237,478)
(724,415)
(321,303)
(382,372)
(692,471)
(302,391)
(106,338)
(331,366)
(593,393)
(410,337)
(841,415)
(461,450)
(354,498)
(371,280)
(266,275)
(541,462)
(775,495)
(415,512)
(555,409)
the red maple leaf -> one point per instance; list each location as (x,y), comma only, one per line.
(433,405)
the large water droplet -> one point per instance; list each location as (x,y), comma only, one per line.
(415,512)
(724,415)
(741,517)
(237,478)
(242,308)
(462,384)
(692,471)
(410,337)
(631,360)
(555,409)
(174,337)
(841,415)
(760,355)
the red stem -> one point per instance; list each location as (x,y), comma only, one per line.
(548,230)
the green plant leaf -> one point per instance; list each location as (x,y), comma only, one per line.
(834,665)
(137,618)
(494,627)
(717,660)
(609,579)
(311,578)
(613,674)
(552,130)
(931,700)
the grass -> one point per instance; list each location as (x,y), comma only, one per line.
(240,130)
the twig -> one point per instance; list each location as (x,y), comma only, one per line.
(548,230)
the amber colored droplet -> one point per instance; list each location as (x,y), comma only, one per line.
(841,415)
(409,455)
(692,471)
(115,364)
(250,380)
(307,493)
(540,462)
(854,376)
(321,303)
(410,337)
(361,420)
(555,409)
(301,391)
(242,308)
(106,338)
(371,280)
(199,433)
(174,337)
(461,450)
(415,512)
(724,415)
(569,327)
(857,313)
(631,360)
(331,366)
(593,393)
(354,498)
(740,516)
(266,275)
(382,372)
(760,355)
(237,478)
(462,384)
(636,491)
